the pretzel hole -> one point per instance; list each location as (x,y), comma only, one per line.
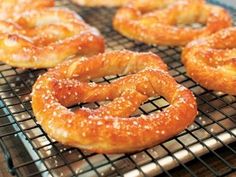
(151,105)
(195,25)
(107,79)
(50,26)
(180,15)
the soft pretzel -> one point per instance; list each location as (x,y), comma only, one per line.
(108,129)
(211,61)
(44,38)
(163,26)
(13,8)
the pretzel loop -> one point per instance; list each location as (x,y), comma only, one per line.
(44,38)
(166,26)
(108,129)
(211,61)
(11,9)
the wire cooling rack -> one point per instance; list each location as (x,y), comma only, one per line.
(30,152)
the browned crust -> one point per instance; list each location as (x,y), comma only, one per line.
(211,61)
(11,9)
(44,38)
(94,3)
(159,26)
(108,128)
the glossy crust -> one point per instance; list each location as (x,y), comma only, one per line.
(93,3)
(211,61)
(149,5)
(44,38)
(141,4)
(11,9)
(108,129)
(162,26)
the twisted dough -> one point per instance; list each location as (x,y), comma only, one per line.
(44,38)
(107,129)
(211,61)
(13,8)
(163,27)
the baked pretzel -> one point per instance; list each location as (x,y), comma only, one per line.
(163,26)
(108,129)
(44,38)
(13,8)
(211,61)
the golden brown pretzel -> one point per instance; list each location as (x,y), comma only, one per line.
(108,128)
(161,26)
(211,61)
(44,38)
(13,8)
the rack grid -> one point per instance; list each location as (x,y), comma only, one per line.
(30,152)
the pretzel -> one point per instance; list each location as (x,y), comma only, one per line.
(13,8)
(44,38)
(163,26)
(211,61)
(108,129)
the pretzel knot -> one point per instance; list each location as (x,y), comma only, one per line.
(211,61)
(13,8)
(44,38)
(109,129)
(166,26)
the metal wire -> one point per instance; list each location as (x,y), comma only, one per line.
(216,119)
